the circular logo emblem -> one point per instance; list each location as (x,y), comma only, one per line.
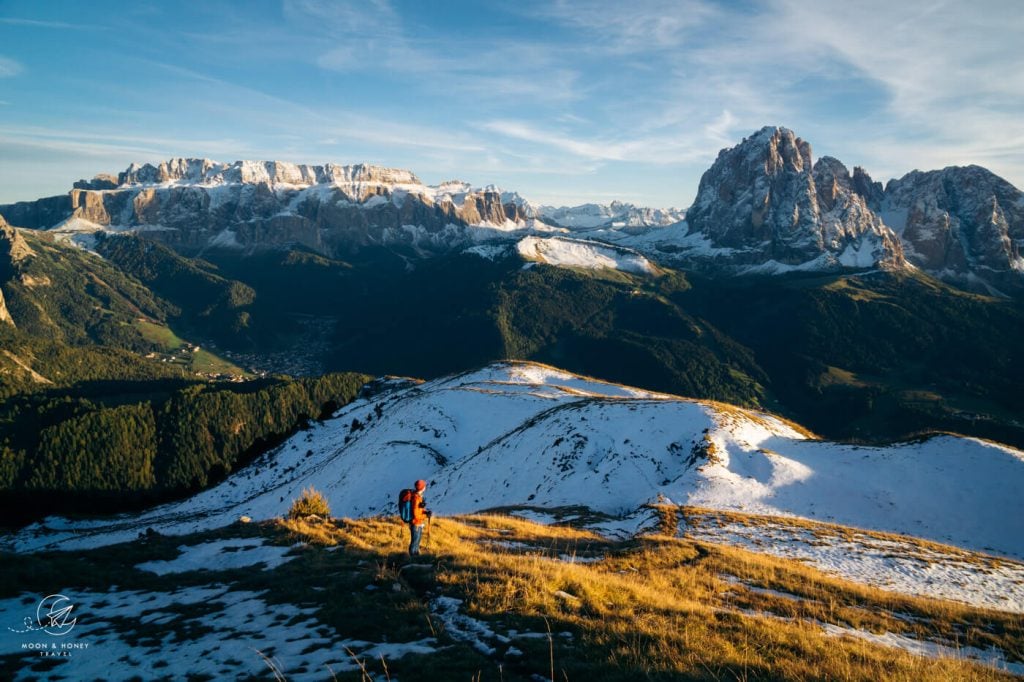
(54,614)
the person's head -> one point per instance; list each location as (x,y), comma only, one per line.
(421,485)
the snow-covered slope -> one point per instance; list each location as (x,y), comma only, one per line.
(520,433)
(582,254)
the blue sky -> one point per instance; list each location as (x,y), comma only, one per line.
(566,102)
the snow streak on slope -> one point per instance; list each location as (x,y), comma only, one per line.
(582,254)
(891,562)
(524,434)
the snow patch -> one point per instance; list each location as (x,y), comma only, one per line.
(490,252)
(991,657)
(563,252)
(225,239)
(899,566)
(209,631)
(220,555)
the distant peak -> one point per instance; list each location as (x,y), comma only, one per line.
(208,172)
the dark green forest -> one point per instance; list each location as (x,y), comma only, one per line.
(108,445)
(200,299)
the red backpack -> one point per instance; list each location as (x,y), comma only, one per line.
(406,499)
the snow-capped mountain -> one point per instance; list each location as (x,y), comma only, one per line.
(961,224)
(614,215)
(194,204)
(764,205)
(525,434)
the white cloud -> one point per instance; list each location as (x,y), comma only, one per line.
(9,67)
(953,74)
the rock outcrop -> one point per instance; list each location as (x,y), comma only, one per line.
(13,247)
(13,251)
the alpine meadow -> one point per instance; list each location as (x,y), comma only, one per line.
(662,393)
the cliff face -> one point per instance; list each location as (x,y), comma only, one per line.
(765,201)
(39,214)
(193,204)
(765,205)
(961,223)
(13,251)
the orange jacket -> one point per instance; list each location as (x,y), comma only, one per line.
(419,509)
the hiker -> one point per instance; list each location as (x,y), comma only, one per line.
(413,511)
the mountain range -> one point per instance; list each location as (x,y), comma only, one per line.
(789,286)
(804,379)
(765,206)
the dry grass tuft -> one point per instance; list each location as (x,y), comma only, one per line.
(310,503)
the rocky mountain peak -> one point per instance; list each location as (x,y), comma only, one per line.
(764,200)
(961,222)
(168,171)
(188,171)
(755,190)
(832,181)
(863,185)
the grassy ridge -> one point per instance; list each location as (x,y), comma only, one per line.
(655,607)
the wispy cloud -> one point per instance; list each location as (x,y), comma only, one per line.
(374,39)
(9,67)
(372,17)
(580,97)
(60,25)
(631,27)
(105,142)
(954,90)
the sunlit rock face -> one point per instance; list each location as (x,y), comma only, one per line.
(766,201)
(960,223)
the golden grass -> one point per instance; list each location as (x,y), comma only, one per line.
(305,529)
(668,608)
(311,502)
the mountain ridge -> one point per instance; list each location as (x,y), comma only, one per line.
(578,435)
(764,207)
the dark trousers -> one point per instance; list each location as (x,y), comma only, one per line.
(416,533)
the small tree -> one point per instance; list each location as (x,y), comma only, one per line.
(310,502)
